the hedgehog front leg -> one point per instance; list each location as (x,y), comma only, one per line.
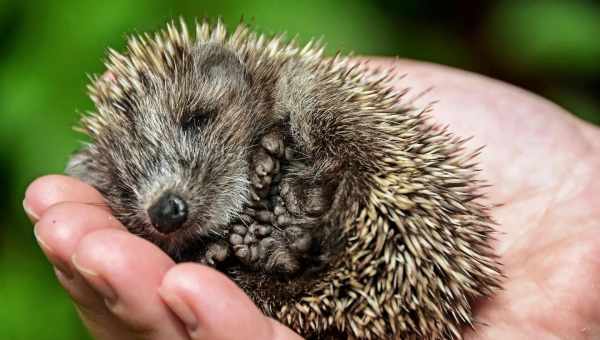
(305,198)
(277,231)
(300,193)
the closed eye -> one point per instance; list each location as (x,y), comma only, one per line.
(196,120)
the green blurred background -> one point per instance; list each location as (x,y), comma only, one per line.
(47,48)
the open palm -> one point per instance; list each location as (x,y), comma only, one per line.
(544,166)
(540,160)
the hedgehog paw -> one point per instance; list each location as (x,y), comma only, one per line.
(215,253)
(299,240)
(303,199)
(250,244)
(286,250)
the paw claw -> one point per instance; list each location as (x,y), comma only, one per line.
(216,252)
(242,252)
(273,143)
(236,239)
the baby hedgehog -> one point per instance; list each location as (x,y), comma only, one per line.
(340,210)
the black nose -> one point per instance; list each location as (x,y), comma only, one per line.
(168,213)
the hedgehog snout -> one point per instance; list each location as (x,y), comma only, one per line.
(168,213)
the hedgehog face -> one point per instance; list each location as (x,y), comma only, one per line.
(171,157)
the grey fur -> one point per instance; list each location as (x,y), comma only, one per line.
(340,211)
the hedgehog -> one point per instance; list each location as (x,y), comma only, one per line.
(341,209)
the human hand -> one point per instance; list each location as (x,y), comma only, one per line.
(540,160)
(543,164)
(125,287)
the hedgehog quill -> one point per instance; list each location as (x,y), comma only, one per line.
(339,209)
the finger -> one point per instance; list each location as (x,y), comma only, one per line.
(127,271)
(213,307)
(59,231)
(49,190)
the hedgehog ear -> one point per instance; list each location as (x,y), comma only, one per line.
(80,165)
(217,63)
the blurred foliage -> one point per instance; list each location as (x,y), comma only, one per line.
(47,48)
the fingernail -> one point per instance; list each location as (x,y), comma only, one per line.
(180,308)
(97,282)
(52,257)
(33,217)
(61,275)
(65,271)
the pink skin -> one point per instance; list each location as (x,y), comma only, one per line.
(542,161)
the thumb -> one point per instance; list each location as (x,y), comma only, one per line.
(213,307)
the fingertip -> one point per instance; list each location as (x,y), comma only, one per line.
(192,278)
(49,190)
(30,212)
(130,265)
(117,254)
(180,308)
(64,224)
(98,259)
(210,304)
(126,271)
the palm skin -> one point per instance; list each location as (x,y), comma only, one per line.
(540,160)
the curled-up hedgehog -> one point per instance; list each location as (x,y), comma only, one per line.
(341,210)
